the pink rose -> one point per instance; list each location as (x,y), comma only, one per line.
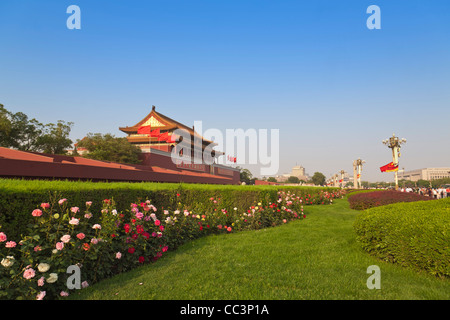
(59,245)
(41,281)
(157,222)
(74,221)
(45,205)
(40,295)
(74,209)
(29,273)
(10,244)
(62,201)
(139,215)
(65,238)
(118,255)
(36,213)
(3,237)
(80,236)
(88,215)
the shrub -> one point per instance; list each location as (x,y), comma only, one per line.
(411,234)
(366,200)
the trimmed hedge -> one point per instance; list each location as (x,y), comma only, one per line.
(20,197)
(411,234)
(366,200)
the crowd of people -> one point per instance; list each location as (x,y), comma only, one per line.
(435,193)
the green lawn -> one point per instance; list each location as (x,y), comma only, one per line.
(315,258)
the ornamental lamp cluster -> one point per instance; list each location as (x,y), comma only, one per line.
(395,143)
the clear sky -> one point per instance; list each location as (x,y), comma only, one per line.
(312,69)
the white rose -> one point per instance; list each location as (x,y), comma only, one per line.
(8,261)
(52,278)
(43,267)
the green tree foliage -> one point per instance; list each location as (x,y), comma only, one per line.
(17,131)
(271,179)
(293,179)
(56,140)
(109,148)
(247,176)
(318,179)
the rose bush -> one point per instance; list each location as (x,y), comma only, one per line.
(109,242)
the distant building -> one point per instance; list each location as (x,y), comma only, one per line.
(426,174)
(297,171)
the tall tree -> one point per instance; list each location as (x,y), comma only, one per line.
(246,176)
(318,178)
(56,140)
(293,179)
(109,148)
(18,131)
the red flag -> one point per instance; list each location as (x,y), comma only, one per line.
(231,159)
(163,137)
(390,167)
(144,130)
(155,133)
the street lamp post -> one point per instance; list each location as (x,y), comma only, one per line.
(342,172)
(394,143)
(357,169)
(335,180)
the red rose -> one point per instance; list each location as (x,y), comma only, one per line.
(131,250)
(141,259)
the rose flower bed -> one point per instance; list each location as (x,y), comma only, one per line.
(363,201)
(62,239)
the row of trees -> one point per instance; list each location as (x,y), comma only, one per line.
(318,179)
(17,131)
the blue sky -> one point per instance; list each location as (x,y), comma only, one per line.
(312,69)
